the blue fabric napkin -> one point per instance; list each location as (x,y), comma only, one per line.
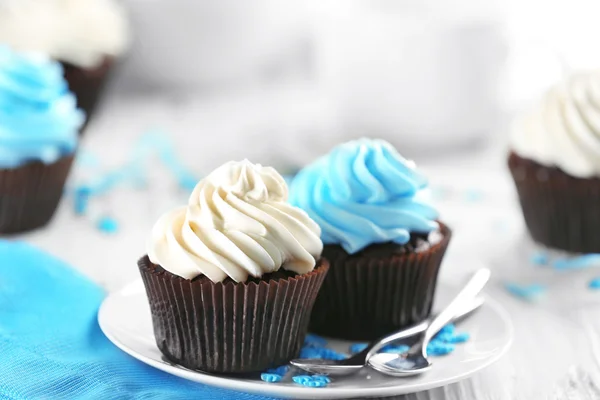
(51,346)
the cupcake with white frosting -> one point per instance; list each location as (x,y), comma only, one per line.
(555,162)
(86,36)
(233,276)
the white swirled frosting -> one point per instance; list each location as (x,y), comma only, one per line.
(563,130)
(237,224)
(81,32)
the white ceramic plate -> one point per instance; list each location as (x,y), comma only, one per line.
(125,319)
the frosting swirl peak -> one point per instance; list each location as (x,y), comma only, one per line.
(38,115)
(81,32)
(563,130)
(237,224)
(362,193)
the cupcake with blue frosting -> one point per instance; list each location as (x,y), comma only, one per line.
(39,124)
(86,36)
(384,244)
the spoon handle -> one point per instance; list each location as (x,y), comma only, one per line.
(417,329)
(462,299)
(374,347)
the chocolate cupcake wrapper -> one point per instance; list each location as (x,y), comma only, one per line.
(365,297)
(30,194)
(87,85)
(231,327)
(560,211)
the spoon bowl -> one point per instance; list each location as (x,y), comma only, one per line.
(415,361)
(394,365)
(355,363)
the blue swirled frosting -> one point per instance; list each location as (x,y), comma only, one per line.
(363,192)
(39,120)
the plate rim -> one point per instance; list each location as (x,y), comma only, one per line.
(299,392)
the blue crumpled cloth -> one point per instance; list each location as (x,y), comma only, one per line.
(51,346)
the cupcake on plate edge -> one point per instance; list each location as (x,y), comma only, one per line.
(39,125)
(555,163)
(233,276)
(384,245)
(86,36)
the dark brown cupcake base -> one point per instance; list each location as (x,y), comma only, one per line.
(30,194)
(230,327)
(376,291)
(87,85)
(560,211)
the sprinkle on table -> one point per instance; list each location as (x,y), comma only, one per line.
(540,258)
(579,262)
(107,225)
(594,284)
(530,292)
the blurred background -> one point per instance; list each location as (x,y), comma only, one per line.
(287,80)
(203,82)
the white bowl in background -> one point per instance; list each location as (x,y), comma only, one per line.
(422,77)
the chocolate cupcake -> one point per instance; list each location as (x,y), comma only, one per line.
(38,136)
(87,84)
(555,163)
(85,36)
(232,278)
(384,246)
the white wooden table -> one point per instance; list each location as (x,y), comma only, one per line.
(556,352)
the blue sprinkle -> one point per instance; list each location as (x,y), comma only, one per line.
(107,225)
(540,258)
(584,261)
(82,199)
(309,381)
(314,340)
(448,329)
(301,378)
(357,347)
(594,283)
(279,370)
(271,378)
(526,292)
(321,378)
(437,348)
(399,349)
(444,337)
(460,338)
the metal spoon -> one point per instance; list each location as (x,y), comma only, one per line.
(415,361)
(357,362)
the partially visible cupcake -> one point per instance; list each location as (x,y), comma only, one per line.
(232,277)
(86,36)
(384,245)
(555,163)
(39,125)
